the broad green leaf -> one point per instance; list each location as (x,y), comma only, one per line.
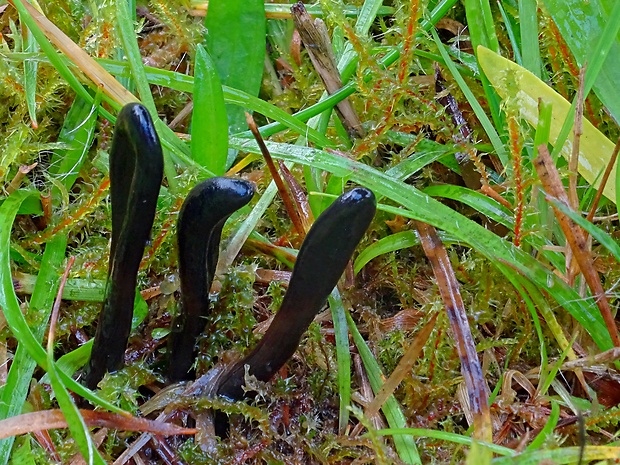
(236,41)
(521,90)
(209,120)
(582,25)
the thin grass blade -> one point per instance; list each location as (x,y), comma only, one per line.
(236,40)
(209,121)
(405,446)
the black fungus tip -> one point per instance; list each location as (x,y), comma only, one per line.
(320,263)
(136,172)
(201,219)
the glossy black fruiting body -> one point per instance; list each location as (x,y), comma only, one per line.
(320,263)
(202,217)
(136,172)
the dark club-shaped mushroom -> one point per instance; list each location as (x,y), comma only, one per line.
(202,217)
(136,172)
(320,263)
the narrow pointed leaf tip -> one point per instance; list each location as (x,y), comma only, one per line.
(323,256)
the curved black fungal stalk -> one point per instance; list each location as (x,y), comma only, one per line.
(202,217)
(136,172)
(321,261)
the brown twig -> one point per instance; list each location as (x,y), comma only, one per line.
(573,164)
(604,179)
(316,39)
(284,194)
(400,372)
(57,301)
(17,179)
(46,205)
(299,197)
(470,176)
(550,179)
(465,346)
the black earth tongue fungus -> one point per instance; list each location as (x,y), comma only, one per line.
(202,217)
(320,263)
(136,172)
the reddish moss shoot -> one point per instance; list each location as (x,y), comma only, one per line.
(515,150)
(80,213)
(409,39)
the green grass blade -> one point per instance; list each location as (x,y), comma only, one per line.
(284,10)
(209,121)
(237,240)
(294,122)
(77,426)
(510,24)
(424,155)
(601,236)
(75,422)
(30,77)
(481,24)
(125,24)
(543,128)
(343,358)
(617,185)
(55,58)
(405,445)
(444,436)
(489,207)
(531,297)
(78,132)
(391,243)
(15,390)
(184,83)
(564,455)
(127,34)
(236,43)
(482,32)
(528,16)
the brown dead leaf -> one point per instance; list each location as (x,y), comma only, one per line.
(54,419)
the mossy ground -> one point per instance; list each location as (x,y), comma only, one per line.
(294,419)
